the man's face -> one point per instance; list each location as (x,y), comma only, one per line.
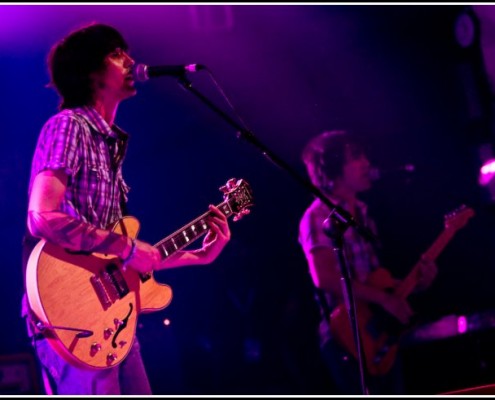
(356,173)
(116,79)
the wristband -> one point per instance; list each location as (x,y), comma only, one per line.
(131,254)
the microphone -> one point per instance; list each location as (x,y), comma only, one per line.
(404,170)
(143,72)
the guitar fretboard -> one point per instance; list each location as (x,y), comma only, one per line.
(189,233)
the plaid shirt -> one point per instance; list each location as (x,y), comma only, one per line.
(91,153)
(360,255)
(80,142)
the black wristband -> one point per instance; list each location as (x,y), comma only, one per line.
(131,254)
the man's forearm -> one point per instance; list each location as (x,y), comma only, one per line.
(73,234)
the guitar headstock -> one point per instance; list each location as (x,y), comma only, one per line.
(239,195)
(458,218)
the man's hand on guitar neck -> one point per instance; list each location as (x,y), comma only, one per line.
(398,307)
(144,258)
(427,272)
(216,238)
(147,258)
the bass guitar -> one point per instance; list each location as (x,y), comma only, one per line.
(380,332)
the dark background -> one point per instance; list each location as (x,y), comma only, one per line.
(398,75)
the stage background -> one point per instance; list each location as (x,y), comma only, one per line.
(408,78)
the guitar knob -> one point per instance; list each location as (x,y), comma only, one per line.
(107,333)
(117,323)
(95,348)
(122,343)
(111,357)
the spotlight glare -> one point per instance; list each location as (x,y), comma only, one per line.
(462,325)
(487,171)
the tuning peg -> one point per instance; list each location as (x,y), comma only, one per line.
(227,188)
(232,183)
(224,189)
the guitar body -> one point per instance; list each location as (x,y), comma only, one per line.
(90,292)
(87,305)
(379,346)
(380,331)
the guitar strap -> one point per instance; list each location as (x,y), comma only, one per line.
(116,149)
(28,244)
(123,203)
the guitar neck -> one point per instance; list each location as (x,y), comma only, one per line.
(189,233)
(408,284)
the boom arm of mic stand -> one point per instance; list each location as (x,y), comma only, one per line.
(342,218)
(337,212)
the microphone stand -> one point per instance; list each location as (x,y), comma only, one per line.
(341,219)
(335,229)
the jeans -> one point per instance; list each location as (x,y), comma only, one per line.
(127,378)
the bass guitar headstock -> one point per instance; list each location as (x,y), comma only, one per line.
(458,218)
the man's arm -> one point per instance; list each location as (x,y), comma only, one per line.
(45,220)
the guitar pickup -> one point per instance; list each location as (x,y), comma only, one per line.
(101,292)
(115,278)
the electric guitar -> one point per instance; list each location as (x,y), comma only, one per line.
(380,332)
(87,305)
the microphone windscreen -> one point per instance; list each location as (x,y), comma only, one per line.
(140,73)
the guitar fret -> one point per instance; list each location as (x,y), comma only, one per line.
(190,232)
(195,229)
(170,249)
(178,242)
(182,241)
